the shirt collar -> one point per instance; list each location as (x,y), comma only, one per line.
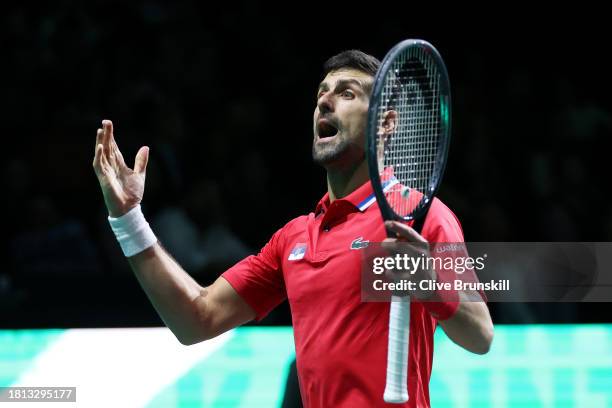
(363,197)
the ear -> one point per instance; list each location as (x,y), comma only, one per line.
(386,129)
(389,121)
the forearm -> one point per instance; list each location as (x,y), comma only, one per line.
(470,327)
(178,299)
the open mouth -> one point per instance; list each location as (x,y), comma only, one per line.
(325,129)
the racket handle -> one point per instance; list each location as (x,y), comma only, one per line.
(396,391)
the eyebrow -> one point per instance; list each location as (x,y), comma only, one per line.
(343,83)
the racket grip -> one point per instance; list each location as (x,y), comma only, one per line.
(396,391)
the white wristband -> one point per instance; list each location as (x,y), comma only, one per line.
(132,232)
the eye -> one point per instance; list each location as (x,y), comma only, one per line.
(347,93)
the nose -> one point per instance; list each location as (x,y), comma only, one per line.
(325,103)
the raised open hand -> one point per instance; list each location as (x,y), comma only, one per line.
(122,187)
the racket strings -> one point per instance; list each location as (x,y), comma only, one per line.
(412,89)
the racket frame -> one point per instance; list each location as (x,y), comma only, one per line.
(372,128)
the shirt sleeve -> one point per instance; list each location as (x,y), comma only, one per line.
(258,279)
(442,226)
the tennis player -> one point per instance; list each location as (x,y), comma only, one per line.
(314,261)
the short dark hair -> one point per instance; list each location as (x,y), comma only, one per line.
(354,59)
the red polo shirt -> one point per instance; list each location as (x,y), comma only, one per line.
(340,342)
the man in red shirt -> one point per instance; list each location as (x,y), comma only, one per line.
(314,261)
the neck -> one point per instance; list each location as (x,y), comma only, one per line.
(342,182)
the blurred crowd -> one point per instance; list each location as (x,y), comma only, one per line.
(224,99)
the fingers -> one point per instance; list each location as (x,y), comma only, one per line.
(107,134)
(404,231)
(108,131)
(102,137)
(111,150)
(104,163)
(97,155)
(116,153)
(100,162)
(102,153)
(142,158)
(107,153)
(99,136)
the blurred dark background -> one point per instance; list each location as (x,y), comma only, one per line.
(224,97)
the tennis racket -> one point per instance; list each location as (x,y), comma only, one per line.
(409,121)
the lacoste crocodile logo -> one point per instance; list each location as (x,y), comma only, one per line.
(359,243)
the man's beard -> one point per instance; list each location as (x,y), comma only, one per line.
(336,154)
